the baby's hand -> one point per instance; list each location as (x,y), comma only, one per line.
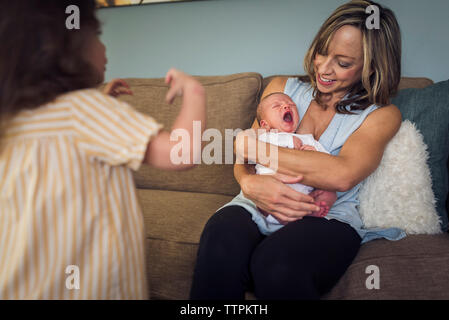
(297,143)
(116,88)
(306,147)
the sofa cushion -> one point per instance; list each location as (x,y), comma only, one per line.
(177,216)
(170,268)
(174,222)
(231,104)
(412,268)
(417,83)
(428,108)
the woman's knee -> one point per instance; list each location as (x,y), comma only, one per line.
(226,245)
(228,230)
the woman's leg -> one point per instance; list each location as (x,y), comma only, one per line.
(226,245)
(304,259)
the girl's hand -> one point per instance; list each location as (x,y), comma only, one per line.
(116,88)
(179,82)
(276,198)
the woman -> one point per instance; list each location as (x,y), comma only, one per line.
(344,102)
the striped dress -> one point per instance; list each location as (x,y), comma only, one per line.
(70,222)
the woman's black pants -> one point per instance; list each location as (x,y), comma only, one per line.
(302,260)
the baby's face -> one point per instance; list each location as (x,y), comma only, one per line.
(279,112)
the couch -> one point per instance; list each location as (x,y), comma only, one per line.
(176,205)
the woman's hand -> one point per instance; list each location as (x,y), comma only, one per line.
(276,198)
(116,88)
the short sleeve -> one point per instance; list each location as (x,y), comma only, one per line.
(111,130)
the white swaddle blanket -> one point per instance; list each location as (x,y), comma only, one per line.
(285,140)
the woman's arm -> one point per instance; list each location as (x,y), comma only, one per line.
(359,157)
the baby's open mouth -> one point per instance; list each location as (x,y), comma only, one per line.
(288,117)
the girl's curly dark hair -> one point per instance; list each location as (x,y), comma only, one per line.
(39,57)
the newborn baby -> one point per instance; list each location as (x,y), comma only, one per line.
(278,115)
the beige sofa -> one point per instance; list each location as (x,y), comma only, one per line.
(176,206)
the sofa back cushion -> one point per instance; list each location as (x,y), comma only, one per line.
(231,104)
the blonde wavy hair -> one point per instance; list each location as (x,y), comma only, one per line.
(381,52)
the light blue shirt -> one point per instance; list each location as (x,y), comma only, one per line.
(345,209)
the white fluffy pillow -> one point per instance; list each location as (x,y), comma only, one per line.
(399,193)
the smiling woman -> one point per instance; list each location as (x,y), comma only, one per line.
(343,103)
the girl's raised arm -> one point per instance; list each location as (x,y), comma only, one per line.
(193,109)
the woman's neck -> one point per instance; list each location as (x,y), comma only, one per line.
(331,99)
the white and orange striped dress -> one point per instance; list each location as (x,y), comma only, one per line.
(68,200)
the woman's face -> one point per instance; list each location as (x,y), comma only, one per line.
(337,71)
(95,54)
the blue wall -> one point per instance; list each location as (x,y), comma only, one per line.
(215,37)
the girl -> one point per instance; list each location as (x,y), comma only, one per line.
(70,222)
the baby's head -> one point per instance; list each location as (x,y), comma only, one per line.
(278,111)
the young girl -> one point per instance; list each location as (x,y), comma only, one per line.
(70,223)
